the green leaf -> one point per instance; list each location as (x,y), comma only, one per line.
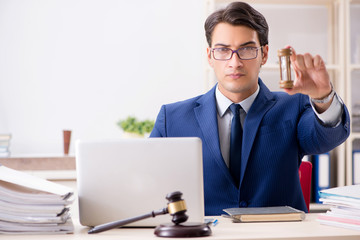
(131,124)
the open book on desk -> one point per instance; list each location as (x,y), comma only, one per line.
(265,214)
(30,204)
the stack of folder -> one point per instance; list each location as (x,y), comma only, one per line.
(345,210)
(32,205)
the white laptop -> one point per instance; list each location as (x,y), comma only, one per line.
(124,178)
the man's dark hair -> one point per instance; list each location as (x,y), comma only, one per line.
(237,14)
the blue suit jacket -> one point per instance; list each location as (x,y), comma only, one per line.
(279,130)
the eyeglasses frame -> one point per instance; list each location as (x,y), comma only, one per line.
(237,53)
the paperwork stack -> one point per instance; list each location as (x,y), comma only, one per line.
(345,210)
(32,205)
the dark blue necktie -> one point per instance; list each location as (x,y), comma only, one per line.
(235,143)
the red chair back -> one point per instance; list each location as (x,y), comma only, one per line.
(305,181)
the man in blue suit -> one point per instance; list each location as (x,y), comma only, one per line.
(278,128)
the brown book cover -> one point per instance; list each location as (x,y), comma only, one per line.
(265,214)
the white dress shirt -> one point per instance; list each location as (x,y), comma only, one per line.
(331,117)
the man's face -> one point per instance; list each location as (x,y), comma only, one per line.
(237,78)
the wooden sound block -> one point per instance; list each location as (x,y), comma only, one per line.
(183,230)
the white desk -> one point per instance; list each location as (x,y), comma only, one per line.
(307,229)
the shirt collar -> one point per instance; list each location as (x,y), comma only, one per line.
(223,102)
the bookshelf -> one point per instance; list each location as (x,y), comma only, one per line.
(352,81)
(292,22)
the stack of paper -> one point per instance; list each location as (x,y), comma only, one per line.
(345,210)
(4,145)
(30,205)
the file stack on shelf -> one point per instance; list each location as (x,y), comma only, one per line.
(356,162)
(4,145)
(32,205)
(356,117)
(345,210)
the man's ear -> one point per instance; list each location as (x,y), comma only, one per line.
(265,54)
(208,53)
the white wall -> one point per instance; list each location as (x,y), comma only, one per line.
(85,64)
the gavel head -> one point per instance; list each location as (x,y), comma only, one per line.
(176,207)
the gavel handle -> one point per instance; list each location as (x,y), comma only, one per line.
(116,224)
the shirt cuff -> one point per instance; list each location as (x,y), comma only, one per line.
(332,116)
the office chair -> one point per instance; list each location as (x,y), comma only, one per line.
(305,181)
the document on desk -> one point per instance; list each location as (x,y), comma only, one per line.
(265,214)
(350,192)
(345,210)
(30,204)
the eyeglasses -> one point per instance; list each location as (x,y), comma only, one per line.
(244,53)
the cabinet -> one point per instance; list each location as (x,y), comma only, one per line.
(352,83)
(314,26)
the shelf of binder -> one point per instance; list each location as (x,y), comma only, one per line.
(356,167)
(4,145)
(321,174)
(356,117)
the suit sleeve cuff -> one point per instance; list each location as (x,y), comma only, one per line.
(332,116)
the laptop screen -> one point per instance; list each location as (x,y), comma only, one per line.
(124,178)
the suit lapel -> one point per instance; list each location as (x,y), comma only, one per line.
(206,115)
(263,102)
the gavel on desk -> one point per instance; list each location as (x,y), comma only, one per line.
(176,207)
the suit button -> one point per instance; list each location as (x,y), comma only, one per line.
(243,204)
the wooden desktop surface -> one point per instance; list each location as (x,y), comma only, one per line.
(225,229)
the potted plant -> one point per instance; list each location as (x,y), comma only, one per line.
(134,128)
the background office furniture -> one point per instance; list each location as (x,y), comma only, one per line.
(352,98)
(305,172)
